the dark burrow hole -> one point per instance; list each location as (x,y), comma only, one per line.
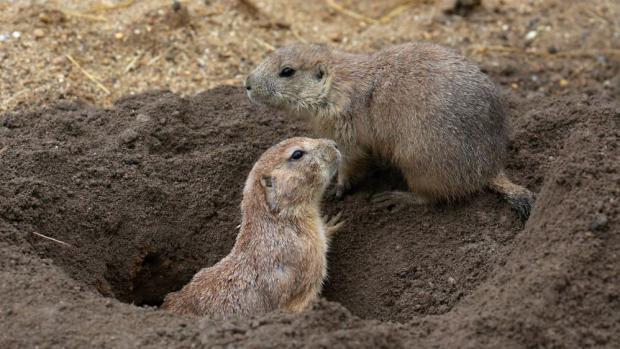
(156,275)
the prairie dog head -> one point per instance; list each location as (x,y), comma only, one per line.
(292,174)
(294,77)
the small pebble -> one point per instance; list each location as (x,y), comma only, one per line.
(128,136)
(599,222)
(170,55)
(143,118)
(38,33)
(58,60)
(119,35)
(336,37)
(531,35)
(3,37)
(16,35)
(564,82)
(44,18)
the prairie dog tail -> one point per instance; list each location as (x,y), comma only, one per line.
(521,199)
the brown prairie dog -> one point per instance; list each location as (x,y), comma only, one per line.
(279,258)
(424,108)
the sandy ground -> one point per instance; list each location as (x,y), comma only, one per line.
(142,188)
(542,46)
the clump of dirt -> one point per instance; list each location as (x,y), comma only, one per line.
(147,192)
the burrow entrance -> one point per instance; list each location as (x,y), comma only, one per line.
(154,277)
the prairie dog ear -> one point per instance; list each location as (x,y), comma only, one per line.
(269,183)
(266,181)
(321,71)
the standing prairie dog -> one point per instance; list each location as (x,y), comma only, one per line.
(424,108)
(279,258)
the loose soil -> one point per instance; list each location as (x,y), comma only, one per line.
(147,192)
(142,189)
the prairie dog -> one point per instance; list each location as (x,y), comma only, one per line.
(424,108)
(279,257)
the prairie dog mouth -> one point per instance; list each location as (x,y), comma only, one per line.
(335,164)
(252,98)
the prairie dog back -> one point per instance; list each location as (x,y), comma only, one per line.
(425,108)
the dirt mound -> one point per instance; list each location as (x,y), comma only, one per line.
(147,193)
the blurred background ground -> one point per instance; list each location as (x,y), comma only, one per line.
(99,51)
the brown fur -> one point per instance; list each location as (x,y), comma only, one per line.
(279,258)
(424,108)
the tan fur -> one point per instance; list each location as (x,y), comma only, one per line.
(279,258)
(422,107)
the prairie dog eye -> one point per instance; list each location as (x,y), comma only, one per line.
(297,154)
(287,72)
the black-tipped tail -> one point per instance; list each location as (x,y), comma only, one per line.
(523,204)
(520,198)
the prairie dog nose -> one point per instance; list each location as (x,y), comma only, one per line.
(331,148)
(331,142)
(248,82)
